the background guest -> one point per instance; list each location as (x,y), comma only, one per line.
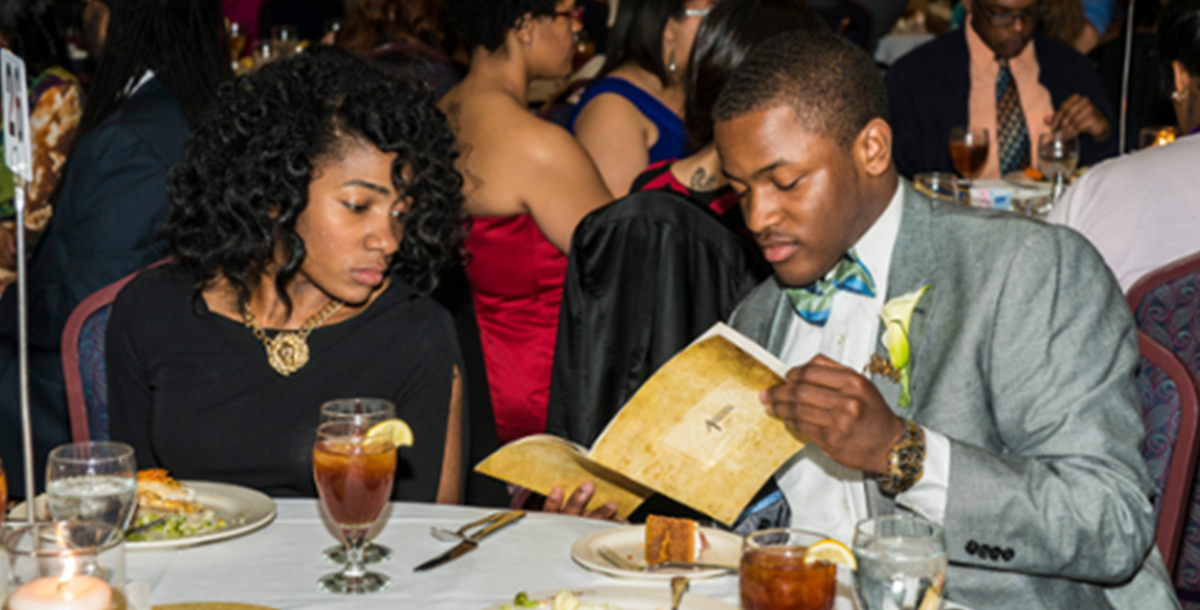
(317,202)
(1140,210)
(730,31)
(55,106)
(162,63)
(527,184)
(996,72)
(408,36)
(632,116)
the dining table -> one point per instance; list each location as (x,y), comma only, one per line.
(278,565)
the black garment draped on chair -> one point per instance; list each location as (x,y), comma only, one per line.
(647,275)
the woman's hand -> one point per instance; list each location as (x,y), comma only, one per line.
(577,502)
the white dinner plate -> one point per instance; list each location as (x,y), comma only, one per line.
(244,509)
(630,541)
(630,598)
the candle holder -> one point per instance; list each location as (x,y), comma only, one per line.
(62,565)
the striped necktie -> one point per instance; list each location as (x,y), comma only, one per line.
(812,302)
(1012,134)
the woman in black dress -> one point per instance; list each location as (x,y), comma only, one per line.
(316,208)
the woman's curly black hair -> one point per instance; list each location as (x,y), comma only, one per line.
(487,23)
(245,179)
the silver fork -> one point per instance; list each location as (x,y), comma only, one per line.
(621,562)
(447,535)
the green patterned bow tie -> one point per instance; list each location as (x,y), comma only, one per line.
(812,302)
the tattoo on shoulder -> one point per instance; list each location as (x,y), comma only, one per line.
(701,181)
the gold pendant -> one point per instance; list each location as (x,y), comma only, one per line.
(287,353)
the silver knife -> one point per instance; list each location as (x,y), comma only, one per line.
(471,543)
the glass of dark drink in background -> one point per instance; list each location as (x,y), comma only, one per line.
(968,151)
(354,474)
(775,574)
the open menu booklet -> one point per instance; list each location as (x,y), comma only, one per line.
(695,432)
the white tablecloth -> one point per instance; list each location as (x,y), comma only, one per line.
(278,566)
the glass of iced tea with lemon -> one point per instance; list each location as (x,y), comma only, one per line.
(354,467)
(790,569)
(367,412)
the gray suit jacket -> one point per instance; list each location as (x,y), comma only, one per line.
(1023,355)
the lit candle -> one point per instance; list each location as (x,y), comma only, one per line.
(55,593)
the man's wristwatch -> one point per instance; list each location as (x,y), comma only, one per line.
(906,461)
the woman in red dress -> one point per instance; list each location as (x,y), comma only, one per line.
(527,184)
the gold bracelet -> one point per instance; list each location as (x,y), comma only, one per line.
(906,462)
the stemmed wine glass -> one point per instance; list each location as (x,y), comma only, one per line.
(93,481)
(901,562)
(366,412)
(968,151)
(354,474)
(1057,156)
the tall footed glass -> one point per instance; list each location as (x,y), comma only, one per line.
(367,412)
(354,476)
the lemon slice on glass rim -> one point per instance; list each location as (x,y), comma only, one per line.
(831,551)
(395,430)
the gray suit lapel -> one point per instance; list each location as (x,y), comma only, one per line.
(914,264)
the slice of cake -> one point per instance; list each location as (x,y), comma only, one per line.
(670,539)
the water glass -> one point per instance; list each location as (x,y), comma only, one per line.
(76,564)
(366,412)
(775,576)
(93,481)
(1057,157)
(901,563)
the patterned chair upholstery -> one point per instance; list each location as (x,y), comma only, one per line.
(1171,412)
(93,374)
(84,373)
(1166,306)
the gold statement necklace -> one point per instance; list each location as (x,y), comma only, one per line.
(288,351)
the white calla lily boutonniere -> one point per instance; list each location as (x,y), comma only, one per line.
(897,315)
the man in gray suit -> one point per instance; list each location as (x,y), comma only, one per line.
(1012,421)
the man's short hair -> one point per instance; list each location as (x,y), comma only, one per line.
(833,86)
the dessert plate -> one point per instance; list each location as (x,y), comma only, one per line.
(629,541)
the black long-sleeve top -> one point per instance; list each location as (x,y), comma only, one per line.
(192,391)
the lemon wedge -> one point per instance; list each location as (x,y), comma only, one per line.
(394,430)
(831,551)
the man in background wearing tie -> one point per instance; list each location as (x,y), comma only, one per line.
(998,73)
(1012,420)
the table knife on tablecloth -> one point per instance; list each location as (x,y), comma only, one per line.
(471,543)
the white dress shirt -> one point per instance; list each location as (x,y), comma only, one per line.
(825,496)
